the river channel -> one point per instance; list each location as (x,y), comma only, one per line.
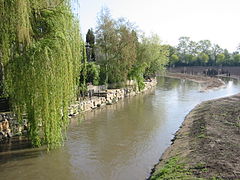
(117,142)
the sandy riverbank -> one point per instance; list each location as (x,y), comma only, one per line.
(207,83)
(207,146)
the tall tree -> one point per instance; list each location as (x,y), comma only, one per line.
(41,50)
(215,51)
(90,38)
(187,49)
(183,45)
(157,55)
(116,47)
(105,40)
(151,58)
(90,45)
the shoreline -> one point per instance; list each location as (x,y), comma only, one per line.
(207,83)
(232,77)
(206,146)
(108,97)
(13,131)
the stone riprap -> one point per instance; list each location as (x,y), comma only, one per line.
(9,125)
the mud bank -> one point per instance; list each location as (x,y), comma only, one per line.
(207,83)
(207,146)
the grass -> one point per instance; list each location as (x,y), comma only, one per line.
(174,169)
(201,136)
(237,124)
(201,166)
(216,178)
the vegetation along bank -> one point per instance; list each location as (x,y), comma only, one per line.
(45,65)
(9,125)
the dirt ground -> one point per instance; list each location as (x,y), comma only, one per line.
(214,139)
(208,142)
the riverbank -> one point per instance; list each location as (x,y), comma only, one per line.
(108,97)
(10,127)
(232,77)
(228,71)
(207,83)
(207,144)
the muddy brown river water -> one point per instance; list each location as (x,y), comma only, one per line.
(118,142)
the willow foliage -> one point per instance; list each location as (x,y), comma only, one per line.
(41,51)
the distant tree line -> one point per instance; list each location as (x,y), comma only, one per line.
(202,53)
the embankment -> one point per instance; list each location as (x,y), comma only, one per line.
(108,97)
(9,125)
(207,83)
(207,146)
(232,71)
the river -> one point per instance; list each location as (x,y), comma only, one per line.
(117,142)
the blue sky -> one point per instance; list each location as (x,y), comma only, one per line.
(216,20)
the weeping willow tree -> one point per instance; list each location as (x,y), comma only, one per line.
(41,52)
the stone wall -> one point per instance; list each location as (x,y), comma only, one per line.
(9,125)
(107,97)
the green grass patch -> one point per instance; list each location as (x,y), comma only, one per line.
(216,178)
(174,169)
(237,124)
(201,167)
(201,136)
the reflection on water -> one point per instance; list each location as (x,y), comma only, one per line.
(122,141)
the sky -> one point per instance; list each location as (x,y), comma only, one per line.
(215,20)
